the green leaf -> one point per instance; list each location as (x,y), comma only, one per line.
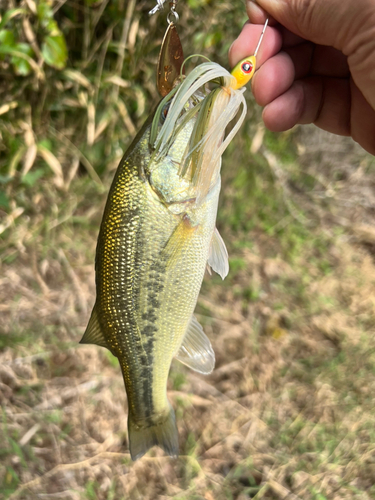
(212,39)
(54,51)
(46,144)
(10,14)
(4,202)
(45,15)
(32,177)
(6,37)
(44,12)
(20,65)
(195,4)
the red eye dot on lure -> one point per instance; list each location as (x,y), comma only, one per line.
(247,67)
(243,71)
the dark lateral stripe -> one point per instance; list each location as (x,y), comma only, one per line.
(153,287)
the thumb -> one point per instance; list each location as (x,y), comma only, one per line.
(336,23)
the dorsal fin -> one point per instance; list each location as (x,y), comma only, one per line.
(196,351)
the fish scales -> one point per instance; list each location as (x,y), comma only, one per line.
(146,291)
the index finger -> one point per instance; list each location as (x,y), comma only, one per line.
(258,16)
(247,41)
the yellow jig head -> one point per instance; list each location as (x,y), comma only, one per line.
(243,72)
(245,69)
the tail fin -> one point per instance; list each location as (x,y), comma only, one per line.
(163,433)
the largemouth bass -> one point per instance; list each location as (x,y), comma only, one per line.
(156,239)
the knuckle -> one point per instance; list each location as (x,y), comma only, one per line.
(304,14)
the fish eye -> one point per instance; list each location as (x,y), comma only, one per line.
(247,67)
(164,112)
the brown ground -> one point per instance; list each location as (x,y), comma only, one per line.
(288,412)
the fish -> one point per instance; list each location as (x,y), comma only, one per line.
(157,237)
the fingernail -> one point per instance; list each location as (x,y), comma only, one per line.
(256,14)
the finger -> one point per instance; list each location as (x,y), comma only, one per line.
(311,59)
(347,26)
(289,39)
(277,74)
(257,15)
(327,104)
(283,113)
(301,55)
(323,101)
(327,61)
(247,41)
(335,23)
(273,79)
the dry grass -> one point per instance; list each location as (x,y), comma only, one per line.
(289,411)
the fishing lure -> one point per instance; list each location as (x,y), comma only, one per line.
(214,111)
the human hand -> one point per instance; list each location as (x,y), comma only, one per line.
(316,64)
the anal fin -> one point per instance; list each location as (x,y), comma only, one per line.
(196,351)
(218,257)
(93,333)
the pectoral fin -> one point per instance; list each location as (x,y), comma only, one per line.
(179,240)
(218,257)
(196,351)
(93,333)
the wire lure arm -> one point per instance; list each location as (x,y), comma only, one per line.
(172,14)
(159,6)
(261,37)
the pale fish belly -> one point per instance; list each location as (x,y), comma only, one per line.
(179,297)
